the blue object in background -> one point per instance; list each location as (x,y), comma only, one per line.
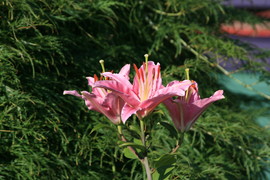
(259,4)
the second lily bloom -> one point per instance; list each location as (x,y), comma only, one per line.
(185,110)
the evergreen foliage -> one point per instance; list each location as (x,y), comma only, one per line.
(48,46)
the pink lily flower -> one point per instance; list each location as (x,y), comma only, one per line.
(145,93)
(102,100)
(185,110)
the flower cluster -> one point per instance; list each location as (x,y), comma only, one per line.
(117,98)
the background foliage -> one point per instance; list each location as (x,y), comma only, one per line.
(48,46)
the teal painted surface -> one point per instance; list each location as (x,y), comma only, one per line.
(249,79)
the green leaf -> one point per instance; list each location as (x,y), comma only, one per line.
(164,165)
(135,129)
(170,128)
(129,154)
(162,173)
(99,126)
(137,141)
(134,145)
(165,160)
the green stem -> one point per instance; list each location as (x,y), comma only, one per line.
(179,142)
(120,130)
(119,127)
(145,158)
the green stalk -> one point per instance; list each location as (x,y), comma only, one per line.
(179,142)
(122,137)
(145,158)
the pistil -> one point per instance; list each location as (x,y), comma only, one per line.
(187,77)
(102,65)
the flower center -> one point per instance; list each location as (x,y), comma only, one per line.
(146,79)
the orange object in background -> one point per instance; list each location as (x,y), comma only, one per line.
(251,30)
(245,29)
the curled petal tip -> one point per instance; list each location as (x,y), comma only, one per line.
(73,92)
(219,93)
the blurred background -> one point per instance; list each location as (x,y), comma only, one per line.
(257,35)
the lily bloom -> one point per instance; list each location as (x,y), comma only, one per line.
(102,100)
(145,93)
(185,110)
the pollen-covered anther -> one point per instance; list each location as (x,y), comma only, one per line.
(193,85)
(136,70)
(142,74)
(96,78)
(153,73)
(158,72)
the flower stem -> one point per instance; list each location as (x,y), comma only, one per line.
(145,158)
(179,142)
(119,127)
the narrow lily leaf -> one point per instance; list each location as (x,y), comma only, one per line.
(170,128)
(134,145)
(99,126)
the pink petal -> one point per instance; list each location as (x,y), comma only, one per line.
(100,92)
(95,103)
(125,71)
(194,92)
(119,78)
(185,113)
(115,103)
(92,101)
(97,91)
(182,85)
(74,93)
(174,88)
(121,90)
(91,81)
(175,112)
(193,110)
(207,101)
(127,111)
(161,95)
